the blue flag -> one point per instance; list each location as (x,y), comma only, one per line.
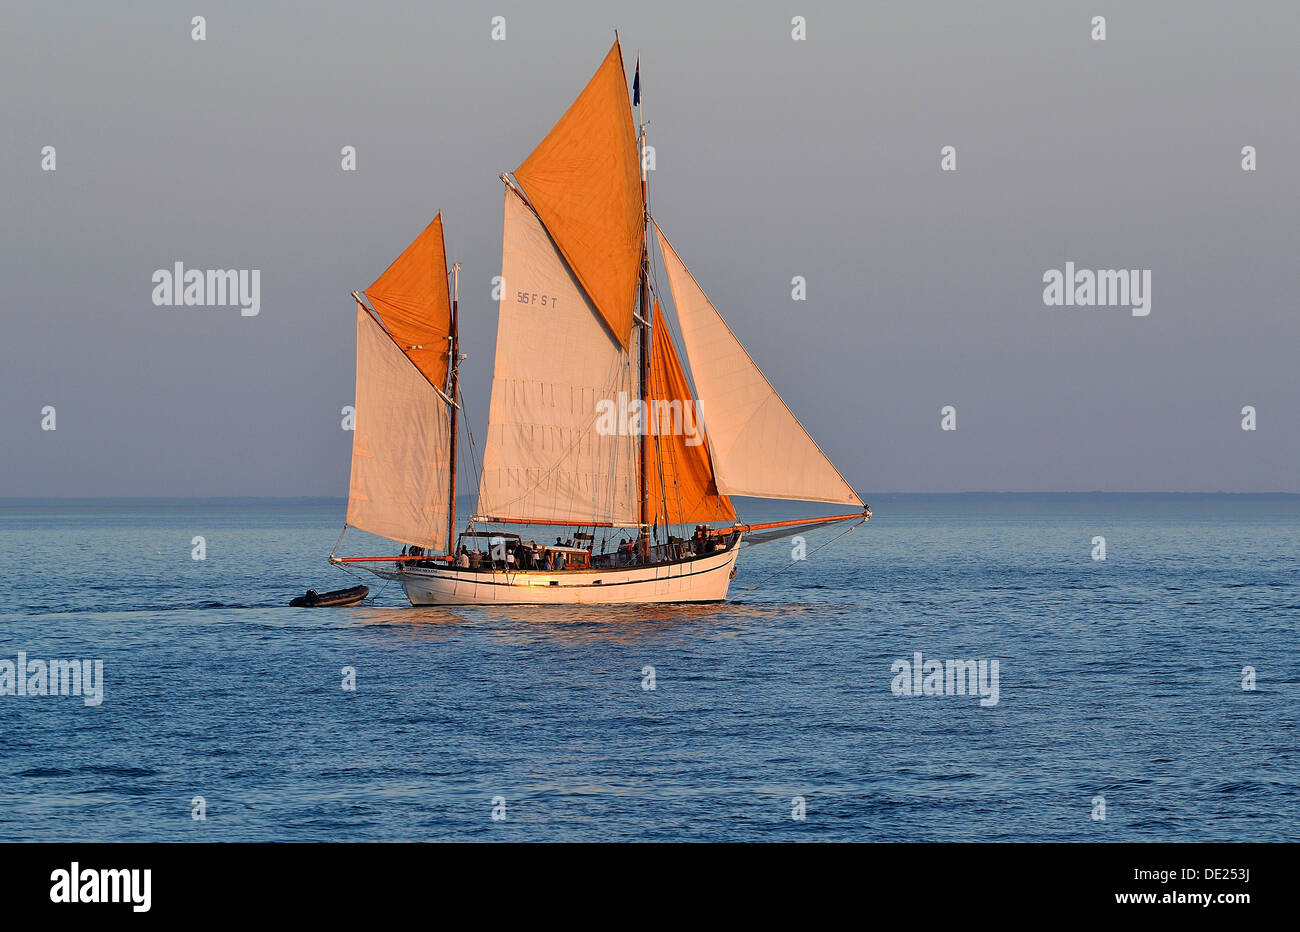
(636,83)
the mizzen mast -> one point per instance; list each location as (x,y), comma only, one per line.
(453,385)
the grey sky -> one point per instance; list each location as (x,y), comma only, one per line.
(775,158)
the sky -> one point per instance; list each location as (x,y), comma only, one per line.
(775,158)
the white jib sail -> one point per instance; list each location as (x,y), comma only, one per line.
(759,447)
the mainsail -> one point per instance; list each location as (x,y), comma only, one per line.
(759,447)
(399,487)
(681,474)
(584,181)
(544,459)
(411,299)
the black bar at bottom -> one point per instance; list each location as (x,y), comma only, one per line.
(331,881)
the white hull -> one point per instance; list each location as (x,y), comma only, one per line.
(702,579)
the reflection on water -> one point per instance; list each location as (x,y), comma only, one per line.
(579,623)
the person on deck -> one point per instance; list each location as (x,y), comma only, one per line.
(462,559)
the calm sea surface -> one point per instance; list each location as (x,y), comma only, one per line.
(1119,679)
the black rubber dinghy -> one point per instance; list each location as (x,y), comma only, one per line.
(314,599)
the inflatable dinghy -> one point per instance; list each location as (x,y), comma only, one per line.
(314,599)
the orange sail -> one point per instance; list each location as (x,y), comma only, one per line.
(412,301)
(584,181)
(681,473)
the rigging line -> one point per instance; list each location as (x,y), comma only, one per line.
(606,498)
(372,598)
(675,334)
(677,464)
(675,453)
(345,568)
(652,285)
(354,575)
(768,579)
(334,549)
(659,453)
(621,380)
(658,447)
(340,539)
(473,450)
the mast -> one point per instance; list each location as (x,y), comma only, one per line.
(644,472)
(575,233)
(453,372)
(644,341)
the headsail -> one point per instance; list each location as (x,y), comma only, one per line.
(681,474)
(400,445)
(544,458)
(584,181)
(411,299)
(759,447)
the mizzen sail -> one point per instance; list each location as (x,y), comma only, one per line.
(584,181)
(544,458)
(399,487)
(759,448)
(412,301)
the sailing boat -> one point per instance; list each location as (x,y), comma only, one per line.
(593,428)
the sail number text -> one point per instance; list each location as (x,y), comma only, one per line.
(532,297)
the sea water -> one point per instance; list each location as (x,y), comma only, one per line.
(1150,695)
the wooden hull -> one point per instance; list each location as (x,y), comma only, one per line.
(701,579)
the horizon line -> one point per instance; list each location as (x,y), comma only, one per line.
(334,498)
